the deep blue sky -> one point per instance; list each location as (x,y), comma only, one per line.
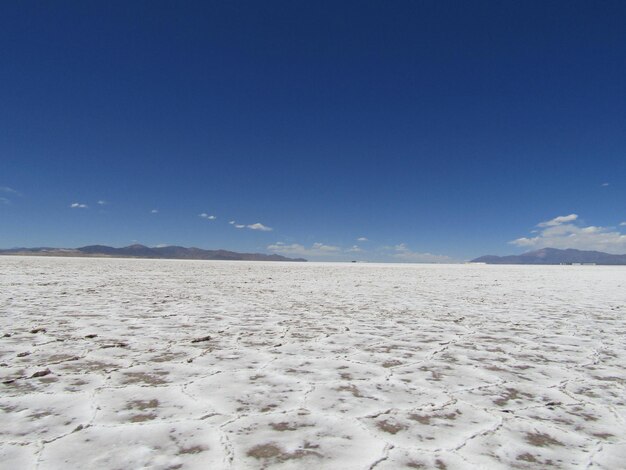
(449,128)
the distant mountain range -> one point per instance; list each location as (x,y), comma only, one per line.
(554,256)
(141,251)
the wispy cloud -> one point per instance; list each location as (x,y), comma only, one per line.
(204,215)
(605,184)
(404,253)
(259,226)
(354,249)
(295,249)
(7,190)
(154,211)
(558,220)
(566,234)
(362,239)
(102,202)
(326,248)
(78,205)
(623,224)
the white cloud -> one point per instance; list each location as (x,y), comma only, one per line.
(260,226)
(295,249)
(6,189)
(361,239)
(568,235)
(403,253)
(558,220)
(154,211)
(326,248)
(623,224)
(162,245)
(204,215)
(399,253)
(102,202)
(77,205)
(605,184)
(8,192)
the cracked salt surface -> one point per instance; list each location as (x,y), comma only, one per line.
(193,364)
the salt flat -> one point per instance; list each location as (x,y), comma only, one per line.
(196,364)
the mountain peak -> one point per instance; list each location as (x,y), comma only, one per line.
(141,251)
(555,256)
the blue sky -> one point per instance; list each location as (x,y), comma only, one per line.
(432,129)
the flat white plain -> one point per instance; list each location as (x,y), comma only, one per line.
(215,365)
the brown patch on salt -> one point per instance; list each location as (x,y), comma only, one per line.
(271,451)
(580,411)
(392,363)
(609,378)
(40,414)
(390,427)
(540,439)
(143,377)
(603,435)
(192,450)
(422,419)
(143,404)
(142,418)
(264,451)
(285,426)
(435,375)
(526,457)
(353,389)
(291,370)
(425,419)
(268,408)
(19,385)
(511,394)
(62,358)
(414,464)
(167,357)
(440,464)
(89,366)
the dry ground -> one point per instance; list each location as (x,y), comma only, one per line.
(193,364)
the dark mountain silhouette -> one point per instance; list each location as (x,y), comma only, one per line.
(142,251)
(555,256)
